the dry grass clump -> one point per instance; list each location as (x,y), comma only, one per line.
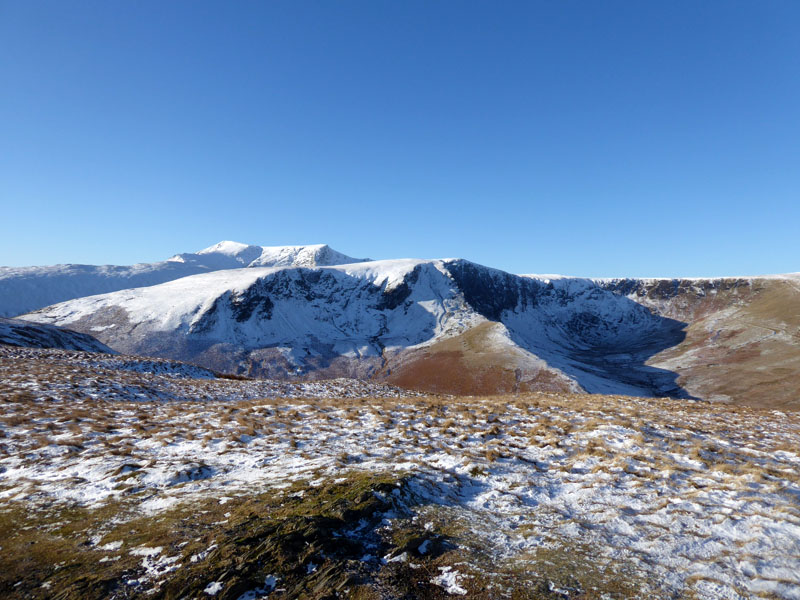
(16,419)
(596,447)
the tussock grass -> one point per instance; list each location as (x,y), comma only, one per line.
(467,445)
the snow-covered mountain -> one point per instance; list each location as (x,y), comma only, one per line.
(16,332)
(234,255)
(23,289)
(444,325)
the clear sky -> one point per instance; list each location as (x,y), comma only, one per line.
(584,138)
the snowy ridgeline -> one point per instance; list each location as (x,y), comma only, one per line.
(23,289)
(402,302)
(694,500)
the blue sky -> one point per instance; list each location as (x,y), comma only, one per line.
(585,138)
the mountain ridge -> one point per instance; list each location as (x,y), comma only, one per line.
(380,319)
(24,289)
(454,326)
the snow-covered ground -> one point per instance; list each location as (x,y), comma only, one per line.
(74,376)
(695,498)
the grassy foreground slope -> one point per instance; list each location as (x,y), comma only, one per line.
(535,495)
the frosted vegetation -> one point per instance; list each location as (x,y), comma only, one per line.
(52,374)
(582,496)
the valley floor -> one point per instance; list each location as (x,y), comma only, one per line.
(116,482)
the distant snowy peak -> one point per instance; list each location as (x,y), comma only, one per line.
(234,255)
(23,289)
(229,248)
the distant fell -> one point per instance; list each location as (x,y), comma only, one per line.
(23,289)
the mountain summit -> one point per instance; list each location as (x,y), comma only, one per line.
(23,289)
(234,255)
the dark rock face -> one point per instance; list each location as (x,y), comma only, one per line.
(312,286)
(253,300)
(391,299)
(491,292)
(209,318)
(667,289)
(686,299)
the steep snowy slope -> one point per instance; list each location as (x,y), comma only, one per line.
(440,324)
(16,332)
(23,289)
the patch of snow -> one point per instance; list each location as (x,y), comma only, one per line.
(111,546)
(401,558)
(270,583)
(203,554)
(145,551)
(213,588)
(449,580)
